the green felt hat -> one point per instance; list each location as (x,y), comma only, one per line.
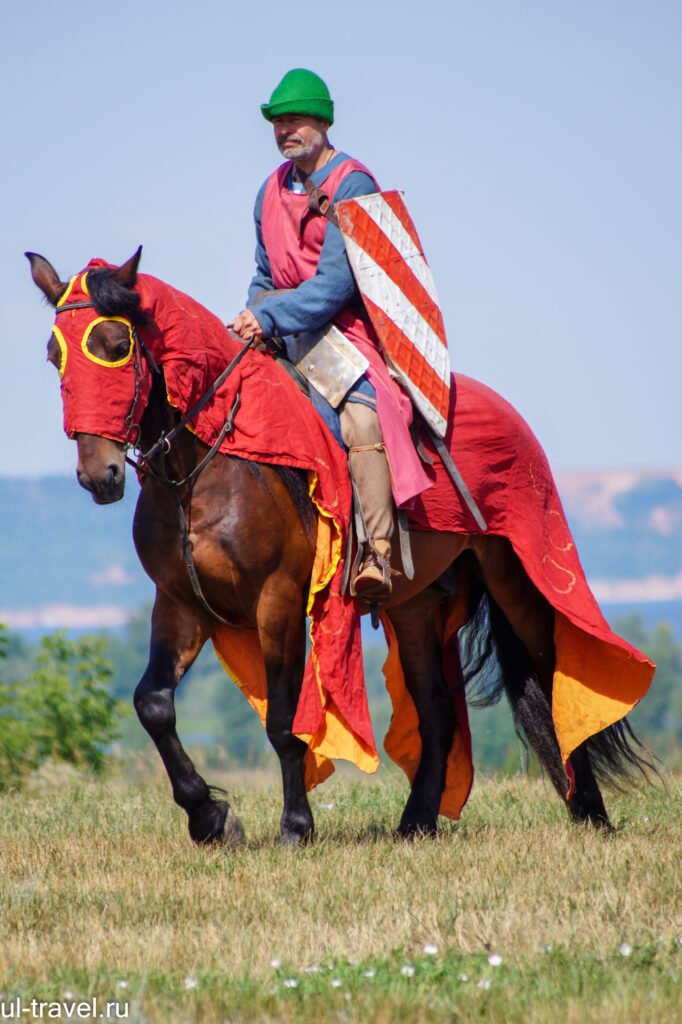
(300,92)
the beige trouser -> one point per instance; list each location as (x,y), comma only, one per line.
(370,471)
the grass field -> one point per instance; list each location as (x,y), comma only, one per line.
(511,915)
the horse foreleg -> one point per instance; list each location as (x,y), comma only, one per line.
(281,626)
(523,624)
(177,637)
(421,659)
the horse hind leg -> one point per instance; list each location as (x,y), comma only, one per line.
(421,659)
(177,637)
(522,621)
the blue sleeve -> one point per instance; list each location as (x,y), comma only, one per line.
(262,279)
(319,299)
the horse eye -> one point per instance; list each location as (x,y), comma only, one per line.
(121,350)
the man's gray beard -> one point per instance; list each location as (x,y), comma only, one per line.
(300,151)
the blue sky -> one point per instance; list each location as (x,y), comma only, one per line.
(539,145)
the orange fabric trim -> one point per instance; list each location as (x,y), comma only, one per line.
(240,655)
(595,684)
(242,658)
(403,742)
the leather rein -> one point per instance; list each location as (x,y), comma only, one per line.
(163,446)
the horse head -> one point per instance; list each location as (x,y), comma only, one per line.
(105,382)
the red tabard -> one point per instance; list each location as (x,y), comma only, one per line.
(293,257)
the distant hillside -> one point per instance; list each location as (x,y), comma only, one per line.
(66,561)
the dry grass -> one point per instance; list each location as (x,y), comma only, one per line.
(100,884)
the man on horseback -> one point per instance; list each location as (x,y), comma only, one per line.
(304,294)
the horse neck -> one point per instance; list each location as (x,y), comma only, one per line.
(159,418)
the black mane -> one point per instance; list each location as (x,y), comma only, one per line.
(112,299)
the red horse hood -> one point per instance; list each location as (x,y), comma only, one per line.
(98,397)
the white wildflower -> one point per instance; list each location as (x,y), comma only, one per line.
(191,982)
(625,949)
(464,977)
(123,983)
(645,820)
(484,983)
(68,994)
(370,973)
(327,807)
(312,969)
(547,948)
(430,949)
(494,959)
(275,963)
(290,982)
(407,970)
(335,983)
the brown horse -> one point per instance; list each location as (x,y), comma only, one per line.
(253,528)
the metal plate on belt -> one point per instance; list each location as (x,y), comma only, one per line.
(328,360)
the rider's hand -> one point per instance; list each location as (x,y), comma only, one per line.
(247,327)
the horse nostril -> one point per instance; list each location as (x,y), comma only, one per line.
(115,471)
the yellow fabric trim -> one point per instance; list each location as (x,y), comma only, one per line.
(103,362)
(595,684)
(67,292)
(64,350)
(84,284)
(328,540)
(241,656)
(334,738)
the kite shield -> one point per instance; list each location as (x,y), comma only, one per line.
(399,294)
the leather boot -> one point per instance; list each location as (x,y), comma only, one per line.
(373,581)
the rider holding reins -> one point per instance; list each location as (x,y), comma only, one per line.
(304,293)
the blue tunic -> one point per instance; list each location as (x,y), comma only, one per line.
(315,301)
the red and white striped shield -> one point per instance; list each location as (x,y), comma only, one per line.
(397,288)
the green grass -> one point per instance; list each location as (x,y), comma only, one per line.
(102,894)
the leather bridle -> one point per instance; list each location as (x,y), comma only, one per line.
(163,446)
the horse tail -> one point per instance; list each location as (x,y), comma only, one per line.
(618,757)
(479,653)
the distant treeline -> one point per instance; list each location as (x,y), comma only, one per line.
(213,713)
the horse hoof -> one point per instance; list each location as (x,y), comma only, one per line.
(216,823)
(296,839)
(417,830)
(233,835)
(296,829)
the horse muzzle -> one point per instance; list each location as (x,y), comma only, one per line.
(101,468)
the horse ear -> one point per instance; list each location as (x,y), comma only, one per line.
(46,277)
(126,274)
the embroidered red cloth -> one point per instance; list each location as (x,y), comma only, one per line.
(599,677)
